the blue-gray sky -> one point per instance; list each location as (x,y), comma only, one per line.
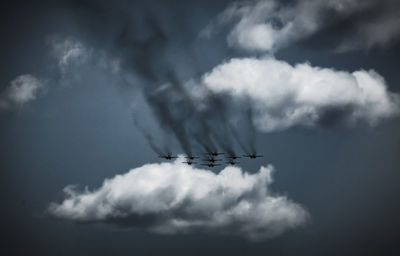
(84,82)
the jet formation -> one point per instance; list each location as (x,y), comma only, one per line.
(210,158)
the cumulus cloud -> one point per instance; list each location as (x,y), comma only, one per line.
(170,198)
(266,25)
(284,95)
(23,89)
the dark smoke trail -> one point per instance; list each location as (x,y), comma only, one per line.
(220,113)
(252,132)
(150,139)
(142,44)
(162,110)
(244,132)
(239,140)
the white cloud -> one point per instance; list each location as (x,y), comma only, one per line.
(170,198)
(267,25)
(285,95)
(23,89)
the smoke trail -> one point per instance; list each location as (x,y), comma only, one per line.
(144,48)
(244,131)
(159,150)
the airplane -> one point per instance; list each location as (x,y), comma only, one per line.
(233,157)
(231,162)
(190,157)
(214,153)
(253,156)
(211,164)
(167,156)
(212,160)
(189,162)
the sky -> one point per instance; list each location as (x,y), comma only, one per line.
(92,93)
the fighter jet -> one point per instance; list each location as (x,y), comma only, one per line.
(210,164)
(253,156)
(231,162)
(190,157)
(214,153)
(189,162)
(233,157)
(211,159)
(167,156)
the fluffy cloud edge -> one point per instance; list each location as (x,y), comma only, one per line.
(285,95)
(170,198)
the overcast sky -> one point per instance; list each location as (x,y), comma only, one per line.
(93,92)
